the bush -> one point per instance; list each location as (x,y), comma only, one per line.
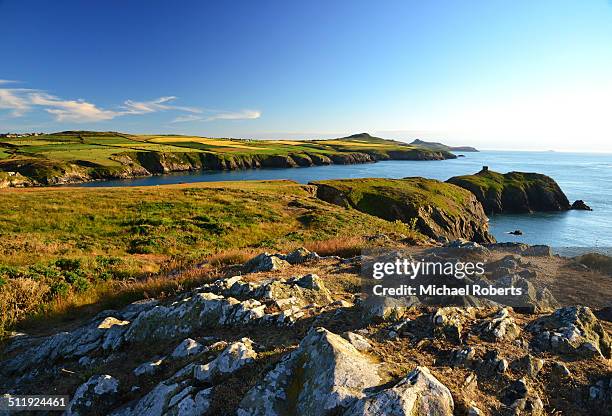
(40,270)
(9,271)
(105,276)
(72,277)
(143,246)
(18,298)
(68,264)
(597,261)
(80,284)
(59,289)
(104,262)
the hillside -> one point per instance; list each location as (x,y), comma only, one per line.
(440,146)
(434,208)
(78,245)
(80,156)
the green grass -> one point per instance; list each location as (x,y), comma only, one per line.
(491,181)
(75,241)
(62,152)
(380,196)
(4,154)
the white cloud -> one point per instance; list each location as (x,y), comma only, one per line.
(187,118)
(71,110)
(219,115)
(19,101)
(238,115)
(13,100)
(161,104)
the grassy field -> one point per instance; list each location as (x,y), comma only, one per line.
(61,248)
(100,147)
(81,156)
(366,194)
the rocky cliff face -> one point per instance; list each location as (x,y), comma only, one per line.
(514,192)
(41,172)
(432,207)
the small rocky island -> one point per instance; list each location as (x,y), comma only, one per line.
(516,192)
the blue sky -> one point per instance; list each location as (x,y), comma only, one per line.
(495,74)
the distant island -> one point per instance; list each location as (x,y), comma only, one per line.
(83,156)
(441,146)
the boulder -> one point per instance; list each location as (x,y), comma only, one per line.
(155,402)
(98,333)
(419,393)
(379,309)
(299,255)
(521,400)
(265,262)
(581,205)
(571,330)
(148,368)
(499,327)
(197,405)
(559,371)
(324,374)
(449,321)
(95,395)
(522,249)
(233,358)
(533,297)
(190,313)
(186,348)
(528,365)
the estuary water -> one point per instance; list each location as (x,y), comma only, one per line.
(586,176)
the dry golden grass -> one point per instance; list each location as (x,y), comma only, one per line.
(109,295)
(18,298)
(339,246)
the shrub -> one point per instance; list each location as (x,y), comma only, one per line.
(80,284)
(9,271)
(40,270)
(143,246)
(108,261)
(68,264)
(18,298)
(59,289)
(597,261)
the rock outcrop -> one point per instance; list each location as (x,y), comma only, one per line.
(93,396)
(581,206)
(419,393)
(513,192)
(571,330)
(431,207)
(325,374)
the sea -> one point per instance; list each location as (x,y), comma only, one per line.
(586,176)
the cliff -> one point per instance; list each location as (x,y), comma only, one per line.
(73,157)
(434,208)
(514,192)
